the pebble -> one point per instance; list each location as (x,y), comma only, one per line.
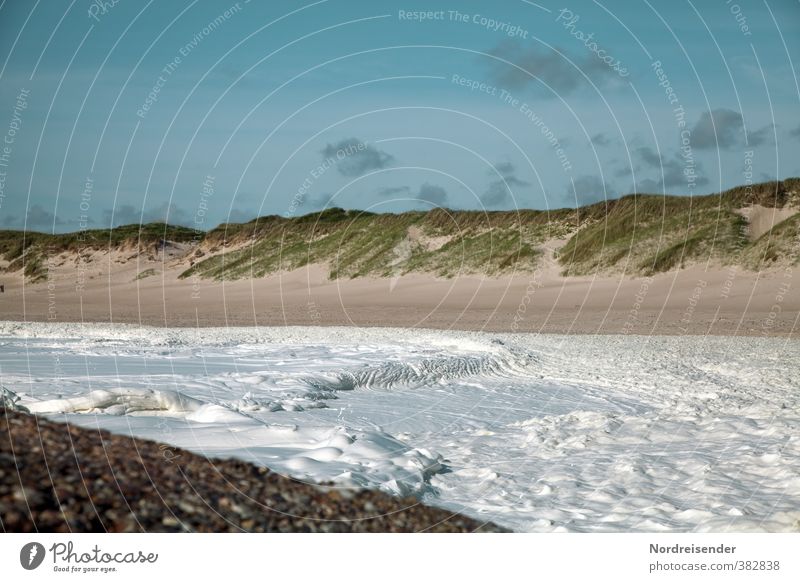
(80,480)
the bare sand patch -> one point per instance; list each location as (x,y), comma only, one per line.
(761,219)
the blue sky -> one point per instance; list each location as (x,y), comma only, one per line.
(284,108)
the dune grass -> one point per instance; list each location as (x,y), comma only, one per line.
(639,234)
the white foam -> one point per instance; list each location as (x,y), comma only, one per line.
(539,433)
(119,401)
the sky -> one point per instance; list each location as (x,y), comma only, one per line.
(199,113)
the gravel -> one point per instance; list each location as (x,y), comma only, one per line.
(57,477)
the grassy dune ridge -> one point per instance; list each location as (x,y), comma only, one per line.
(640,234)
(28,251)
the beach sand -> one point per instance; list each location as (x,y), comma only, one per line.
(697,300)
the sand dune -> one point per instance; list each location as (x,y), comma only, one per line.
(642,264)
(761,219)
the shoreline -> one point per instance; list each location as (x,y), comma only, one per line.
(792,336)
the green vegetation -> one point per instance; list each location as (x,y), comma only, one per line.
(144,274)
(782,244)
(647,234)
(32,250)
(356,244)
(639,234)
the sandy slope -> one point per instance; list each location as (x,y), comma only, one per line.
(697,300)
(761,219)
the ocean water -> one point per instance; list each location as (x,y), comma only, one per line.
(534,432)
